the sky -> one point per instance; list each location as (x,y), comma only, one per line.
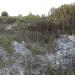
(36,7)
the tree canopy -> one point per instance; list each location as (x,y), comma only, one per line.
(63,17)
(4,13)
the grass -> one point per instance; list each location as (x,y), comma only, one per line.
(6,43)
(1,62)
(35,50)
(19,34)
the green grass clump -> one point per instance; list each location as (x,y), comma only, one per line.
(5,42)
(36,50)
(1,62)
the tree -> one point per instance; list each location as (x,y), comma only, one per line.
(63,18)
(4,13)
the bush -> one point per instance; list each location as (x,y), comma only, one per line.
(4,13)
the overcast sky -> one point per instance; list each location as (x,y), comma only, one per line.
(16,7)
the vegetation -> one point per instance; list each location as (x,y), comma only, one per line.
(1,63)
(4,14)
(35,28)
(38,29)
(62,18)
(59,19)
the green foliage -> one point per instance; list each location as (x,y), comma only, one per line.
(4,14)
(43,29)
(11,20)
(49,70)
(37,51)
(63,18)
(6,43)
(1,63)
(2,28)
